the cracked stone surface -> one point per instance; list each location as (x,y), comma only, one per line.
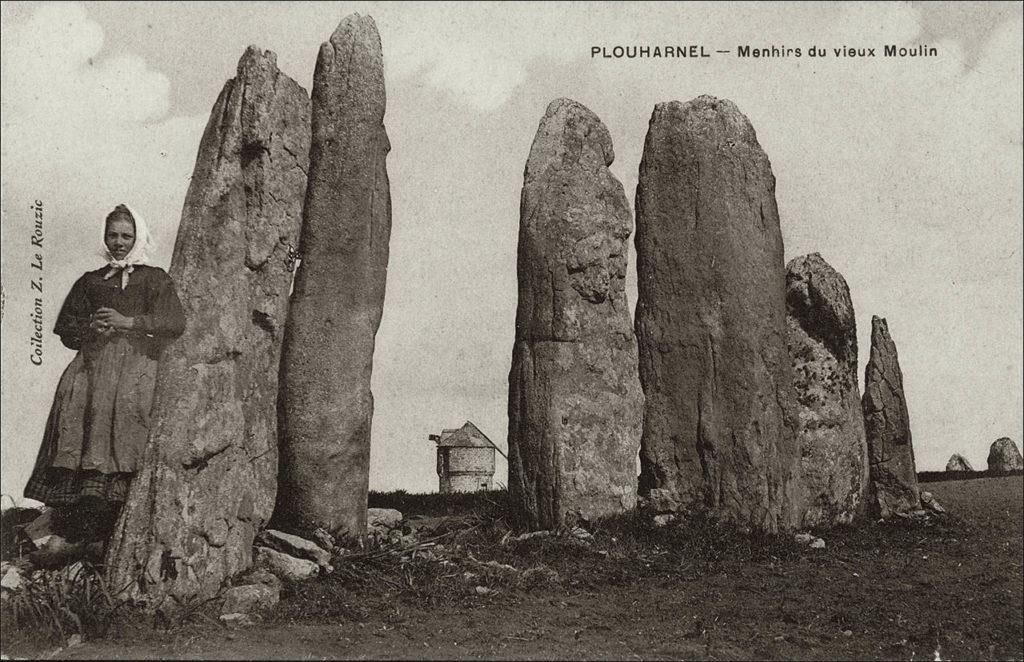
(711,319)
(575,403)
(830,423)
(209,477)
(1003,455)
(339,291)
(887,425)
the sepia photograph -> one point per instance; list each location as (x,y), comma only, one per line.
(512,330)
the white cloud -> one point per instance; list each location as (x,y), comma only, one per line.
(478,54)
(996,82)
(90,129)
(484,84)
(51,59)
(56,36)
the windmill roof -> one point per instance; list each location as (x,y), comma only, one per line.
(468,436)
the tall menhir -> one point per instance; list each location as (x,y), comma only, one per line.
(574,399)
(893,473)
(209,477)
(339,290)
(711,319)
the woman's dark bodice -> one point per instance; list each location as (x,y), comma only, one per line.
(150,298)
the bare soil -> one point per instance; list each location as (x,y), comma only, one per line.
(952,588)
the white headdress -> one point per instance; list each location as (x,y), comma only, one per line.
(139,254)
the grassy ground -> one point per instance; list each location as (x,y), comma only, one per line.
(902,590)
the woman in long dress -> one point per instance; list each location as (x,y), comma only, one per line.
(119,317)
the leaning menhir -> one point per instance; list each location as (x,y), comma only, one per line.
(711,319)
(887,424)
(830,424)
(209,476)
(575,403)
(339,290)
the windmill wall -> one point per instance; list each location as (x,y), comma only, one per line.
(465,469)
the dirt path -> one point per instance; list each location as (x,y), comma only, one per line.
(906,594)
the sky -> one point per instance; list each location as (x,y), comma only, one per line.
(905,174)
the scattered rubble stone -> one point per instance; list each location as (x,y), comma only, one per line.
(250,598)
(12,579)
(284,566)
(811,541)
(235,620)
(386,518)
(292,545)
(931,503)
(56,553)
(579,533)
(42,542)
(40,527)
(530,536)
(663,519)
(325,539)
(258,575)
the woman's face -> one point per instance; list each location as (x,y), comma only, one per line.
(120,237)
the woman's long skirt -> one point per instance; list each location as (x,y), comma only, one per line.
(98,425)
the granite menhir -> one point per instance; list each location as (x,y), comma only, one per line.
(574,406)
(1004,456)
(958,462)
(711,319)
(830,423)
(209,476)
(339,291)
(887,424)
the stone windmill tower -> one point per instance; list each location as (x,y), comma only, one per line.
(465,459)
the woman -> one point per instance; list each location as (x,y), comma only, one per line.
(119,318)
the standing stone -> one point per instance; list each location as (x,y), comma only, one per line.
(575,404)
(209,475)
(887,424)
(339,291)
(1004,456)
(830,424)
(958,462)
(711,319)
